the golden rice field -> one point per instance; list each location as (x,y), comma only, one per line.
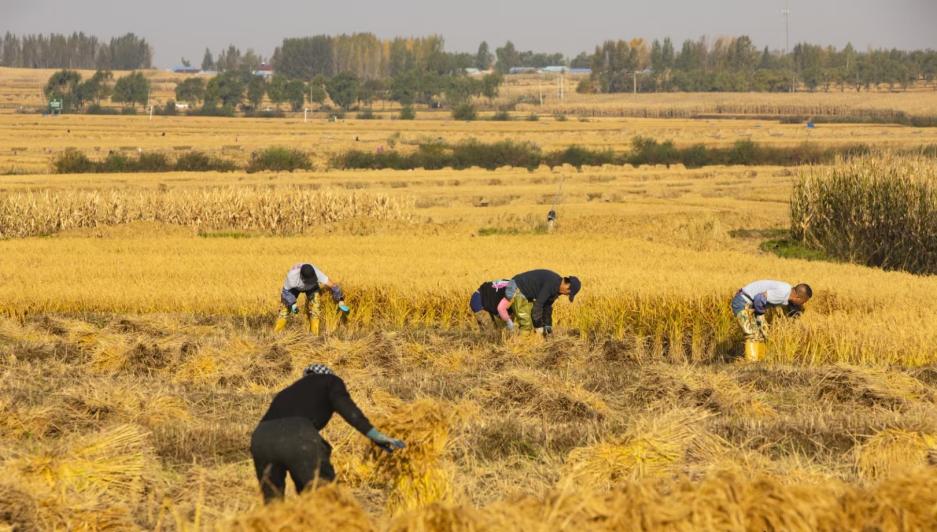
(138,355)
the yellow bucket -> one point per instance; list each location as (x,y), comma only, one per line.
(755,351)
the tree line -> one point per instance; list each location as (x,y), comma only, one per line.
(733,64)
(78,94)
(242,90)
(76,51)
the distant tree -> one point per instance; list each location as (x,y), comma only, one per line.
(508,57)
(133,88)
(229,59)
(305,58)
(461,89)
(191,90)
(317,92)
(295,92)
(256,88)
(226,89)
(583,60)
(63,85)
(343,89)
(127,52)
(491,84)
(95,88)
(276,90)
(251,60)
(483,57)
(185,62)
(208,62)
(370,90)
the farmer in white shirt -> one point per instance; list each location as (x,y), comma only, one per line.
(752,302)
(304,278)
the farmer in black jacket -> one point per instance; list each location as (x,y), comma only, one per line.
(287,438)
(537,290)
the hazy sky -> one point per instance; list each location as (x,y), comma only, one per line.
(178,28)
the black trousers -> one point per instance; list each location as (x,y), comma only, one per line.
(289,445)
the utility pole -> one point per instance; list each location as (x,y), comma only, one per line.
(636,81)
(787,39)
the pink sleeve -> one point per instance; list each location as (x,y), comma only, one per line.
(503,306)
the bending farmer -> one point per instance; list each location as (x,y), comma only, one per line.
(752,302)
(307,279)
(287,438)
(494,298)
(536,292)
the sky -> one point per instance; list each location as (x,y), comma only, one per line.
(184,28)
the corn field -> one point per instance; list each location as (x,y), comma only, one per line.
(282,211)
(879,211)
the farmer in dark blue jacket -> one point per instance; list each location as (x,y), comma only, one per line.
(536,292)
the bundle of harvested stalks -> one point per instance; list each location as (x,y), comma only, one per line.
(331,507)
(893,451)
(537,393)
(108,464)
(438,516)
(902,502)
(417,473)
(870,386)
(17,509)
(651,447)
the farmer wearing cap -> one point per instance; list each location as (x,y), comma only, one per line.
(536,292)
(304,278)
(753,301)
(494,298)
(287,438)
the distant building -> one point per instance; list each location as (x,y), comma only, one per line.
(265,70)
(558,69)
(580,71)
(522,70)
(182,69)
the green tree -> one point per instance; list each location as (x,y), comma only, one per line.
(127,52)
(63,85)
(295,93)
(256,88)
(133,88)
(305,57)
(226,89)
(191,90)
(343,89)
(491,84)
(508,57)
(317,92)
(483,57)
(208,62)
(95,88)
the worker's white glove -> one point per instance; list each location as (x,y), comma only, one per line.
(294,308)
(510,325)
(539,330)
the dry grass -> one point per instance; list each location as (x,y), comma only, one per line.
(665,446)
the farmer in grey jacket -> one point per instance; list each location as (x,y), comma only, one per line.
(304,278)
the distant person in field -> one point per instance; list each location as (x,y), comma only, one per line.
(752,302)
(287,438)
(536,292)
(491,304)
(304,278)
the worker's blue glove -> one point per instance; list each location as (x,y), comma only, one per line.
(294,308)
(344,308)
(337,294)
(510,325)
(384,442)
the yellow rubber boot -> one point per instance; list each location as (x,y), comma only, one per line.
(280,325)
(755,351)
(314,326)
